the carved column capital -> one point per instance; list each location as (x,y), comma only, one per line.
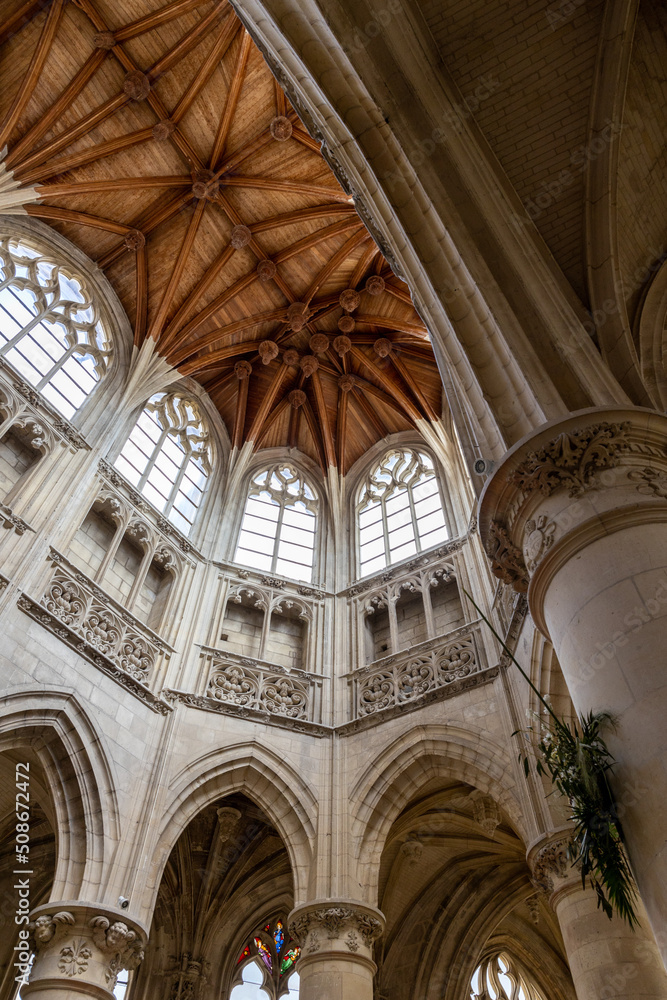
(336,928)
(82,943)
(552,868)
(574,480)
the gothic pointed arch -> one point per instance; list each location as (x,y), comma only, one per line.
(64,330)
(279,530)
(72,754)
(406,765)
(168,456)
(256,771)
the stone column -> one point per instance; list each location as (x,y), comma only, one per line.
(576,515)
(79,950)
(336,938)
(608,960)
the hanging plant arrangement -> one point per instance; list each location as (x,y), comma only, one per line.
(576,758)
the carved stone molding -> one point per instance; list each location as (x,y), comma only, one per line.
(336,926)
(84,943)
(407,676)
(273,581)
(561,487)
(265,687)
(538,539)
(572,458)
(166,527)
(412,851)
(551,866)
(650,482)
(49,425)
(424,562)
(11,520)
(243,712)
(436,694)
(188,976)
(485,811)
(116,938)
(97,627)
(413,580)
(506,558)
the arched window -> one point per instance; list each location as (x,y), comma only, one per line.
(167,457)
(122,982)
(50,329)
(251,986)
(278,529)
(499,977)
(399,510)
(266,964)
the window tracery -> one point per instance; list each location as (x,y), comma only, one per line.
(50,326)
(279,524)
(499,977)
(399,510)
(266,965)
(167,457)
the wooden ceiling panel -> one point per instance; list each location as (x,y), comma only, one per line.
(163,147)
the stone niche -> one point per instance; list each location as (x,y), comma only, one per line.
(412,620)
(17,457)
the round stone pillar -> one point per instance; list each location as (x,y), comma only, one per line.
(79,950)
(608,960)
(336,939)
(576,515)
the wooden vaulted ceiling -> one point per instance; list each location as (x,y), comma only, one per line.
(160,143)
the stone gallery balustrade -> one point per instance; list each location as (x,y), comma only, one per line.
(99,628)
(241,684)
(405,677)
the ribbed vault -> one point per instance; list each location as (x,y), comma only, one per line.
(228,872)
(157,140)
(453,879)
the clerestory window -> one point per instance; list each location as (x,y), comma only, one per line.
(399,510)
(167,457)
(279,524)
(50,327)
(499,977)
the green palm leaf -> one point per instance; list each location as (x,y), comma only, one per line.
(576,758)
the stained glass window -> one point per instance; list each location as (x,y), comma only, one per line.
(267,965)
(500,977)
(50,326)
(399,510)
(254,987)
(288,960)
(263,953)
(279,524)
(167,457)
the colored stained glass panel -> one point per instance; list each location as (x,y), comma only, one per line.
(289,959)
(279,936)
(264,953)
(244,954)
